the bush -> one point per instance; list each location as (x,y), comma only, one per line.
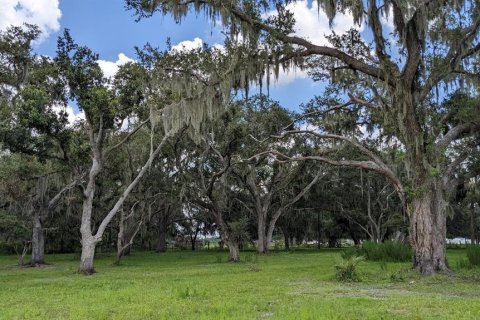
(473,254)
(346,269)
(387,251)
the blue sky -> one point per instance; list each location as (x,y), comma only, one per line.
(108,29)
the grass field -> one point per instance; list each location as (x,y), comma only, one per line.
(202,285)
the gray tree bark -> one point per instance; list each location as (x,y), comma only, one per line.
(88,254)
(428,229)
(41,208)
(90,240)
(38,240)
(233,251)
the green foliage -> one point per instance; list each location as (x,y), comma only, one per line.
(238,230)
(13,232)
(346,269)
(387,251)
(86,82)
(473,254)
(32,91)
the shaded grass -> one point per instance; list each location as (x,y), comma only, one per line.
(202,285)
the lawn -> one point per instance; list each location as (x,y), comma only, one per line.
(202,285)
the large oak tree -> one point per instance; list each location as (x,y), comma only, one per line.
(398,82)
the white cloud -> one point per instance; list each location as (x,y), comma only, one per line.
(188,45)
(44,13)
(286,76)
(110,68)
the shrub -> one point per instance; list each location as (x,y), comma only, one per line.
(396,251)
(387,251)
(346,269)
(473,254)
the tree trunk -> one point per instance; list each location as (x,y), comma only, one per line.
(38,240)
(234,251)
(332,242)
(428,225)
(262,243)
(88,254)
(286,238)
(120,237)
(472,223)
(162,236)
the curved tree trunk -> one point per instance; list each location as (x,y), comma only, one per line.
(428,226)
(234,251)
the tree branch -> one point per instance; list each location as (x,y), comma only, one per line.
(54,201)
(456,133)
(310,47)
(127,137)
(130,187)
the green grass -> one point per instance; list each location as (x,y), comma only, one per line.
(202,285)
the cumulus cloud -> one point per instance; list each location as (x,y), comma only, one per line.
(43,13)
(110,68)
(286,76)
(188,45)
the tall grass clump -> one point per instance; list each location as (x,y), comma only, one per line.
(391,251)
(346,269)
(473,254)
